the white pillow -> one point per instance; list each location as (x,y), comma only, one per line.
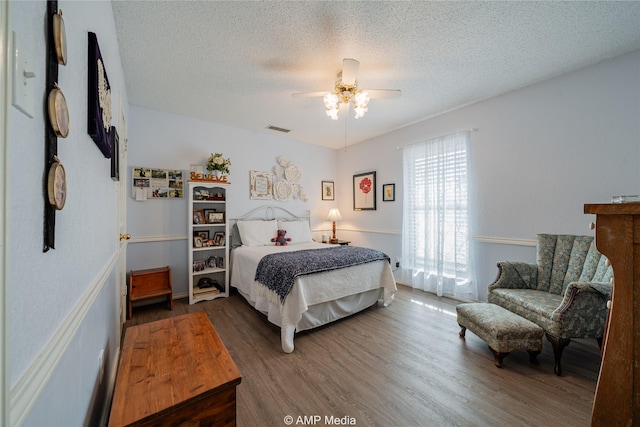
(257,233)
(298,231)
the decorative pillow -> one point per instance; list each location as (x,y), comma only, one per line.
(236,240)
(298,231)
(257,233)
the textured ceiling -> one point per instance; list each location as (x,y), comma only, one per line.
(237,63)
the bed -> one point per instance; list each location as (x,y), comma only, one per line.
(313,299)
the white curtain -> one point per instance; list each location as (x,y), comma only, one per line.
(436,236)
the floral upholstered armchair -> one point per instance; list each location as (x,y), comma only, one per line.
(565,292)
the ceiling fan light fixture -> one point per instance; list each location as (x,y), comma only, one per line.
(331,101)
(346,92)
(361,99)
(333,113)
(360,111)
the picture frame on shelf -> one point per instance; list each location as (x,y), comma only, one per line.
(204,234)
(328,190)
(215,262)
(214,217)
(207,213)
(388,192)
(364,191)
(200,193)
(217,196)
(197,241)
(198,216)
(218,239)
(199,266)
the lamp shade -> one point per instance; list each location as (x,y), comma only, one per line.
(334,215)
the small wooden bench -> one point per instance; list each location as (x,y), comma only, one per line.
(503,330)
(152,283)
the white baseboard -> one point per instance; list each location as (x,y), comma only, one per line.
(106,407)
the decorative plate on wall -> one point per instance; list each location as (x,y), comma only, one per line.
(60,38)
(58,112)
(99,114)
(57,185)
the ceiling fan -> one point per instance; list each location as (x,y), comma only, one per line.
(346,91)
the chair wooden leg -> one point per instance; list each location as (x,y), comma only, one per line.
(498,357)
(533,356)
(559,345)
(463,330)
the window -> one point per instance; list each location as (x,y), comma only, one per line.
(436,227)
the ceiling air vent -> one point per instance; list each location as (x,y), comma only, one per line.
(276,128)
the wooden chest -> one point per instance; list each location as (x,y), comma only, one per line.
(175,372)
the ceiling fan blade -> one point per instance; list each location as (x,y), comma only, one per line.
(349,71)
(308,94)
(383,93)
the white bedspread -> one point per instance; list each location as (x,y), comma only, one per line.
(307,290)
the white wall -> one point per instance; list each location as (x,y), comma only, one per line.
(162,140)
(61,304)
(540,153)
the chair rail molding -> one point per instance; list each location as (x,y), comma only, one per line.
(160,238)
(505,241)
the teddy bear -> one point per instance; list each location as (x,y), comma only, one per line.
(280,239)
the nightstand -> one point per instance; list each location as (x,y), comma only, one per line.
(342,243)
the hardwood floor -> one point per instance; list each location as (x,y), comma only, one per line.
(402,365)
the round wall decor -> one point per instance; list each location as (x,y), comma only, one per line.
(57,184)
(58,112)
(60,38)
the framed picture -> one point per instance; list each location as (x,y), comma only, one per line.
(204,234)
(99,98)
(155,183)
(198,216)
(364,191)
(218,239)
(199,265)
(212,262)
(208,217)
(261,185)
(115,154)
(214,217)
(197,241)
(328,192)
(388,192)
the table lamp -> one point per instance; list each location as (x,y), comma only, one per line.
(334,215)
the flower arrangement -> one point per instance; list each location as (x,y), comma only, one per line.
(218,163)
